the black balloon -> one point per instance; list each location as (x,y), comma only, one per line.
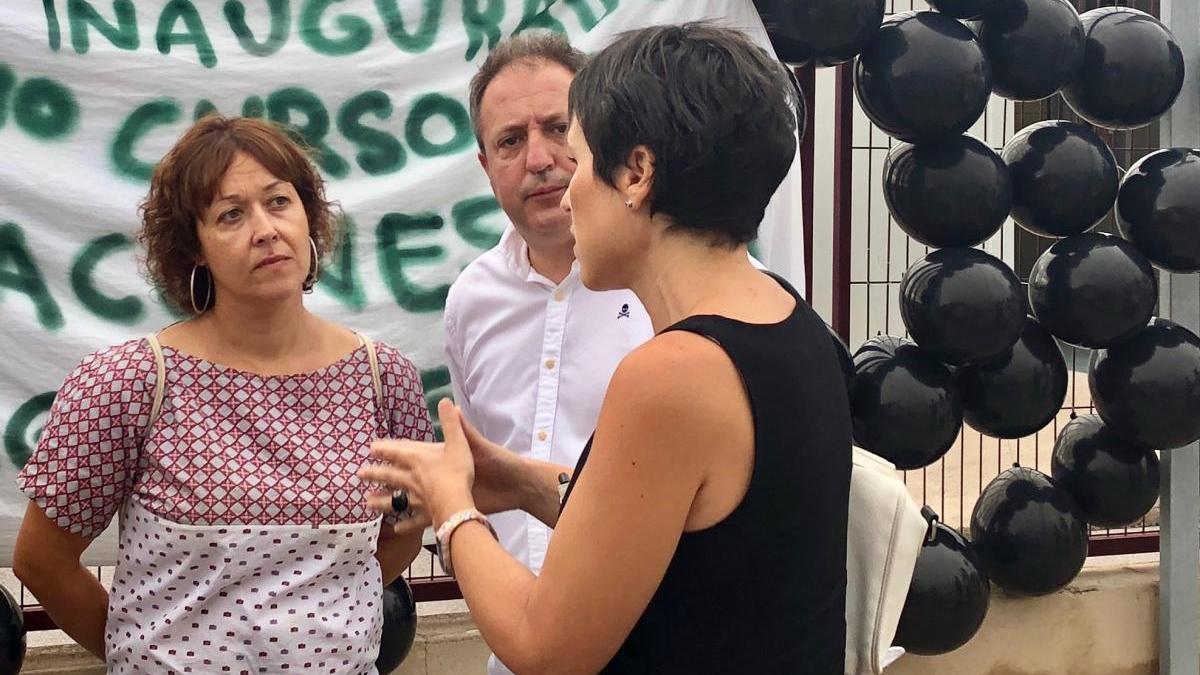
(399,626)
(953,193)
(1018,393)
(1132,69)
(923,78)
(12,634)
(1064,178)
(1147,389)
(1092,290)
(967,9)
(1114,481)
(962,305)
(947,597)
(1035,47)
(821,32)
(845,360)
(906,407)
(1028,533)
(1158,208)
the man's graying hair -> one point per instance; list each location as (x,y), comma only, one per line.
(547,47)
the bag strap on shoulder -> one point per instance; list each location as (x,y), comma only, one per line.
(161,375)
(160,380)
(373,357)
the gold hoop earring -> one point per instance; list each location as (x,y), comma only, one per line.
(314,268)
(192,292)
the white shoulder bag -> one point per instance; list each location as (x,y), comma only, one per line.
(883,539)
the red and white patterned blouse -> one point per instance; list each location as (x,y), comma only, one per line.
(294,588)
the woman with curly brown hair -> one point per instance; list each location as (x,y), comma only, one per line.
(228,442)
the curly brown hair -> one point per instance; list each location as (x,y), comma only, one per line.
(187,179)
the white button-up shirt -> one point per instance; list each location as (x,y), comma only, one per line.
(530,361)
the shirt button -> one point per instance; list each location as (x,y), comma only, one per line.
(559,295)
(550,364)
(541,435)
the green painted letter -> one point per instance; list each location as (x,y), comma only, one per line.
(380,153)
(195,34)
(482,24)
(429,106)
(280,105)
(393,259)
(53,30)
(16,443)
(81,14)
(127,310)
(7,80)
(153,113)
(45,108)
(281,25)
(587,18)
(426,30)
(357,30)
(537,16)
(340,277)
(18,272)
(466,216)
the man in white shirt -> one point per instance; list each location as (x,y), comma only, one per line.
(529,348)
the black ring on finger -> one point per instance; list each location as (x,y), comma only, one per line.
(400,501)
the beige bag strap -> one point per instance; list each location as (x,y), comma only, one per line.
(160,381)
(161,370)
(374,359)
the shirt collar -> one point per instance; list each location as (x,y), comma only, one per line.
(516,255)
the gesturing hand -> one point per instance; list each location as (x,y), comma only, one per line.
(437,477)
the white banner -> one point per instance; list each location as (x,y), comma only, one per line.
(92,93)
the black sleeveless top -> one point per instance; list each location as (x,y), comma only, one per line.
(764,590)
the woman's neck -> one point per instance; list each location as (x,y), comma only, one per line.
(260,332)
(683,276)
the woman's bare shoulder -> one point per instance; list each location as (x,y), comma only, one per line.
(681,374)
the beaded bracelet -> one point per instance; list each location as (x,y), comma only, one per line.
(446,531)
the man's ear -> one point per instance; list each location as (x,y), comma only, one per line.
(483,161)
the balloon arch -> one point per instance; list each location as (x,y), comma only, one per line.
(980,350)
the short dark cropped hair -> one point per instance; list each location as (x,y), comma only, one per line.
(717,111)
(526,47)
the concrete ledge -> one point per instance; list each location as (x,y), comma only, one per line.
(1104,623)
(446,644)
(68,659)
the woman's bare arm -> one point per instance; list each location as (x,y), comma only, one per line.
(47,561)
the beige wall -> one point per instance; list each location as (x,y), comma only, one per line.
(1104,623)
(446,644)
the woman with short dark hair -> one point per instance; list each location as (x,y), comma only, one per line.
(704,529)
(227,442)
